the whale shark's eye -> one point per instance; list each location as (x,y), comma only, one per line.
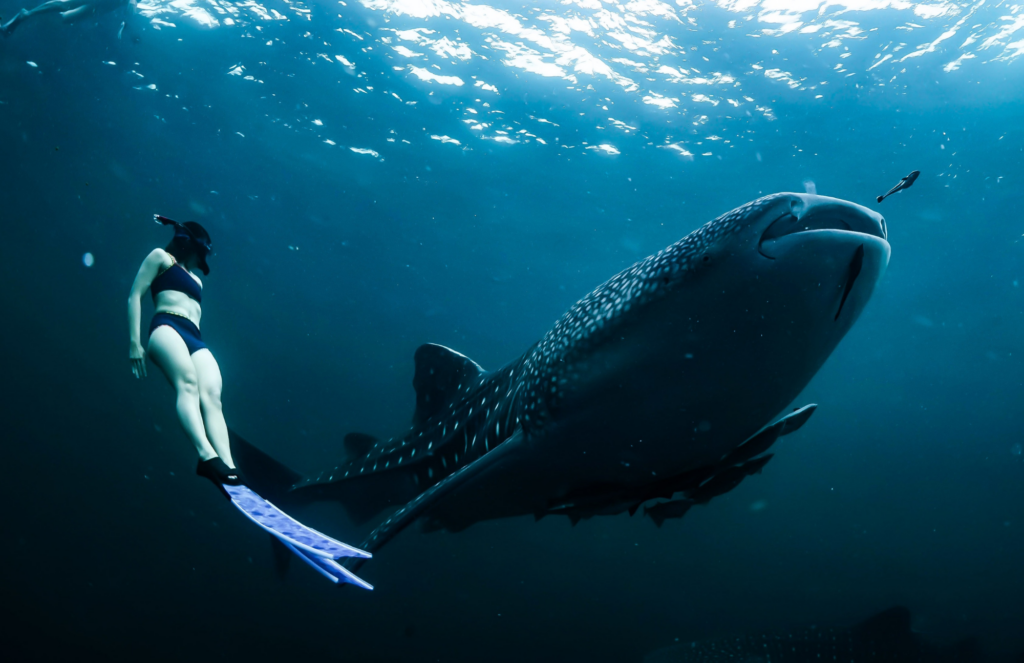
(706,258)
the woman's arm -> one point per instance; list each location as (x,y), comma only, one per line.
(147,272)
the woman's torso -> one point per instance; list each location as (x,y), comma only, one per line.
(172,293)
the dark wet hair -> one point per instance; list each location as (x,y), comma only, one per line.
(184,246)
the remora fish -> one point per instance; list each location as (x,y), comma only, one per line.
(904,184)
(658,384)
(885,637)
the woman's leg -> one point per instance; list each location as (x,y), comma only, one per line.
(51,7)
(72,15)
(210,384)
(45,8)
(169,353)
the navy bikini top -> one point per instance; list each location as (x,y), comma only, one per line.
(178,280)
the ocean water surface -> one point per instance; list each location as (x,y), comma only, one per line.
(378,174)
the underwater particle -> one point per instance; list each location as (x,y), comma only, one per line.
(1017,449)
(31,64)
(88,260)
(758,505)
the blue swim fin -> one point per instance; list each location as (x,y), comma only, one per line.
(330,569)
(316,549)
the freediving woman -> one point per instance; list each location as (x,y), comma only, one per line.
(177,348)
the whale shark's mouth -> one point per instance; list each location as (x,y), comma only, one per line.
(826,216)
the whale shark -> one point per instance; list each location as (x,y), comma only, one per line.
(666,385)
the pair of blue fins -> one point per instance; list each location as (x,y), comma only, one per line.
(314,548)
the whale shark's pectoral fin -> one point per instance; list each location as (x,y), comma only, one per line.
(797,418)
(417,506)
(766,437)
(728,479)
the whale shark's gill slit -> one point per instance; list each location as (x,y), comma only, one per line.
(851,277)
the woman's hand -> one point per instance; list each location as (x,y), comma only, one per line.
(137,356)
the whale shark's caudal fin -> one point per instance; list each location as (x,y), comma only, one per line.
(268,477)
(366,485)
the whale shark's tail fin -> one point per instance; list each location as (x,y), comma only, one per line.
(369,482)
(268,477)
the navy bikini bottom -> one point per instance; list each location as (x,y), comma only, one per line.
(186,330)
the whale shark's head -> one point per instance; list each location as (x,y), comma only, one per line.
(821,257)
(743,310)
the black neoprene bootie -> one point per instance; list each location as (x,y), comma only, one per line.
(217,471)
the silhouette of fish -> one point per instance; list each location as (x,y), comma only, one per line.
(904,183)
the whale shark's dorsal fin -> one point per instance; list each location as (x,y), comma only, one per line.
(358,444)
(440,373)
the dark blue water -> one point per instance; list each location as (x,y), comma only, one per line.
(331,266)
